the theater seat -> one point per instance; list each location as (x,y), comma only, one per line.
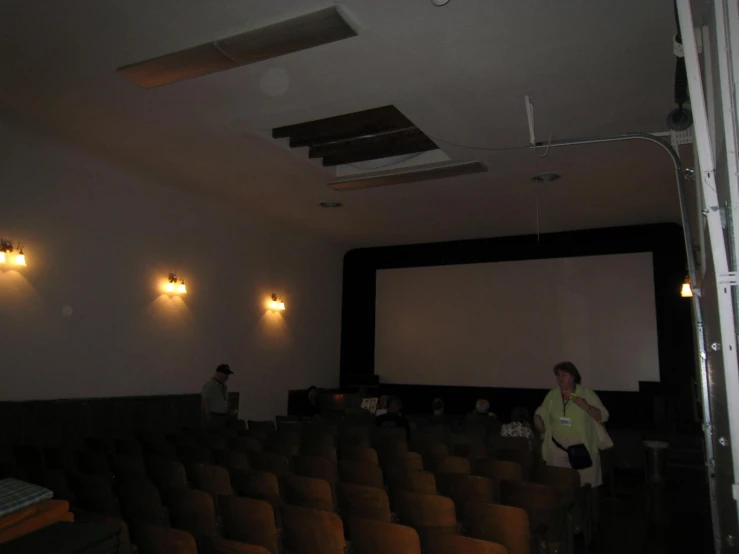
(308,531)
(373,537)
(307,492)
(249,521)
(505,525)
(152,539)
(426,512)
(361,473)
(224,546)
(435,542)
(192,511)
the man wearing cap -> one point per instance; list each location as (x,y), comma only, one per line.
(215,398)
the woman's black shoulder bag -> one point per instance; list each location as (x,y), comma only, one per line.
(578,455)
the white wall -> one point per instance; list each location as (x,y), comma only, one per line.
(101,239)
(506,324)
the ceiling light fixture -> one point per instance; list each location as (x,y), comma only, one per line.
(439,3)
(686,290)
(330,204)
(546,177)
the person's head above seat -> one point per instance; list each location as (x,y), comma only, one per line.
(223,372)
(437,407)
(568,377)
(382,402)
(520,415)
(313,394)
(482,406)
(394,405)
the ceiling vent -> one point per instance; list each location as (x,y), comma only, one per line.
(357,137)
(301,33)
(373,148)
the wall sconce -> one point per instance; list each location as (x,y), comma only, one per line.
(172,286)
(276,303)
(686,291)
(6,253)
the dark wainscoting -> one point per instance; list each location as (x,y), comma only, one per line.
(674,318)
(627,410)
(630,409)
(54,422)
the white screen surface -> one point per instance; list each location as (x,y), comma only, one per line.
(506,324)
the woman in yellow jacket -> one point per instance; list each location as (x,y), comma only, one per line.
(570,415)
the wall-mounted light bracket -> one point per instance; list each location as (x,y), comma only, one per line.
(7,250)
(276,303)
(173,286)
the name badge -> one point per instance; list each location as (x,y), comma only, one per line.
(565,421)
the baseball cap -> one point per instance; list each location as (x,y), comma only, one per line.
(225,369)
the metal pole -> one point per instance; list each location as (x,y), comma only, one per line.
(728,102)
(724,278)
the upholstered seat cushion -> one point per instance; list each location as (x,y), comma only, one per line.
(16,495)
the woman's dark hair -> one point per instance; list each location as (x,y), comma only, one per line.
(568,367)
(312,388)
(437,404)
(395,402)
(520,414)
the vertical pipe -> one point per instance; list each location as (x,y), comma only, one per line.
(725,280)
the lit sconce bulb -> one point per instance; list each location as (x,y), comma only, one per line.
(181,288)
(173,286)
(276,304)
(686,291)
(6,247)
(20,258)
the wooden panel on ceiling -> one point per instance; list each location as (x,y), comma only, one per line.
(293,35)
(407,175)
(300,33)
(344,127)
(179,66)
(342,146)
(378,147)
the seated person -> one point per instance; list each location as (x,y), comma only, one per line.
(482,417)
(520,425)
(382,405)
(437,407)
(393,419)
(482,410)
(309,406)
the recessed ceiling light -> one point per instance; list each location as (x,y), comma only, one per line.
(329,204)
(546,177)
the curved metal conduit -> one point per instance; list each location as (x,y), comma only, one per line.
(700,339)
(678,174)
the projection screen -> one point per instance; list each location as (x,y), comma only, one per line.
(506,324)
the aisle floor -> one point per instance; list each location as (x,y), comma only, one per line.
(676,520)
